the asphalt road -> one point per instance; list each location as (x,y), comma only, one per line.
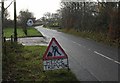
(89,60)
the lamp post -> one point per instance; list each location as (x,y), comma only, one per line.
(15,23)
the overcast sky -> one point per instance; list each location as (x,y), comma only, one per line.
(38,7)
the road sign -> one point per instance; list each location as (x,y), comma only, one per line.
(55,57)
(30,22)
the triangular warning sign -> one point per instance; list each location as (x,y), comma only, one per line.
(54,51)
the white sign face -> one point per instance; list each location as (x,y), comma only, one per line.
(54,50)
(30,22)
(55,64)
(55,57)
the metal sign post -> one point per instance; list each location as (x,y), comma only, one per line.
(15,22)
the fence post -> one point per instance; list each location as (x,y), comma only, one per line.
(4,39)
(4,45)
(11,39)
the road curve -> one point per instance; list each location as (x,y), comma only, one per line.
(89,60)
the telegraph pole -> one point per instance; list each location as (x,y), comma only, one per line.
(15,23)
(2,17)
(1,36)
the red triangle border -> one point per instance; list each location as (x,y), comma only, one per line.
(55,57)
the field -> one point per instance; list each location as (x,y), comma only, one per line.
(32,32)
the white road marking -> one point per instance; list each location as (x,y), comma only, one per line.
(88,38)
(84,46)
(89,49)
(106,57)
(74,42)
(98,53)
(117,62)
(77,43)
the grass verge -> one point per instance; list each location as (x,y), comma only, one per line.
(24,63)
(32,32)
(98,37)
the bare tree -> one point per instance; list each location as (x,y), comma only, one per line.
(23,18)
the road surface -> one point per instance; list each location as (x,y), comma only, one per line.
(89,60)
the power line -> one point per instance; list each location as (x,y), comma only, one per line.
(8,5)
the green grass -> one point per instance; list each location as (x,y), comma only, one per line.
(24,63)
(32,32)
(8,32)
